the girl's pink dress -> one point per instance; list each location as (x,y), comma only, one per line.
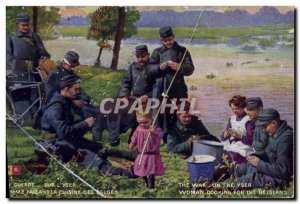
(151,162)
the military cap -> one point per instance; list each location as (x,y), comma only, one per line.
(267,115)
(68,80)
(141,49)
(23,17)
(71,58)
(254,102)
(165,32)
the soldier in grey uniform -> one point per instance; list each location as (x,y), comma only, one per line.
(164,62)
(60,130)
(24,46)
(185,130)
(81,104)
(137,83)
(24,49)
(253,108)
(275,169)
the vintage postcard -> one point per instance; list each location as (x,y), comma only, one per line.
(150,102)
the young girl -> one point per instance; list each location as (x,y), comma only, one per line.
(151,164)
(238,135)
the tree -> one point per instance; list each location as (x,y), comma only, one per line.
(34,18)
(44,23)
(104,26)
(118,37)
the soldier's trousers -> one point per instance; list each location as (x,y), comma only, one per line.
(246,173)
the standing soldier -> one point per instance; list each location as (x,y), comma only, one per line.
(24,49)
(137,83)
(25,46)
(165,61)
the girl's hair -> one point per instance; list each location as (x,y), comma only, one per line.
(238,101)
(140,115)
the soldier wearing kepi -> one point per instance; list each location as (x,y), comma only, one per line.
(275,169)
(164,62)
(81,104)
(24,49)
(137,83)
(24,45)
(58,120)
(253,108)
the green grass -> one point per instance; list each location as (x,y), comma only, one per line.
(71,31)
(100,82)
(202,32)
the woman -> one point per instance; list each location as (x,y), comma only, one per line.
(238,135)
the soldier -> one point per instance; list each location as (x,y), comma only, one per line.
(60,129)
(275,169)
(165,61)
(81,104)
(187,128)
(24,45)
(137,83)
(24,49)
(253,108)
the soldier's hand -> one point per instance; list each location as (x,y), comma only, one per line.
(90,121)
(226,134)
(253,160)
(174,66)
(78,103)
(196,137)
(163,66)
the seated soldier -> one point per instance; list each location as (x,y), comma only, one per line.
(81,104)
(184,131)
(275,168)
(59,127)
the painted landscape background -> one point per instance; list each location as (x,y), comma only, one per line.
(245,50)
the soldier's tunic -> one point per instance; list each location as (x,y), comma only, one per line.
(276,167)
(24,46)
(136,83)
(178,137)
(88,110)
(57,119)
(164,77)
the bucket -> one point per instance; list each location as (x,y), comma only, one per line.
(201,166)
(206,147)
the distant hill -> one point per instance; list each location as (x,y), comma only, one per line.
(234,18)
(211,18)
